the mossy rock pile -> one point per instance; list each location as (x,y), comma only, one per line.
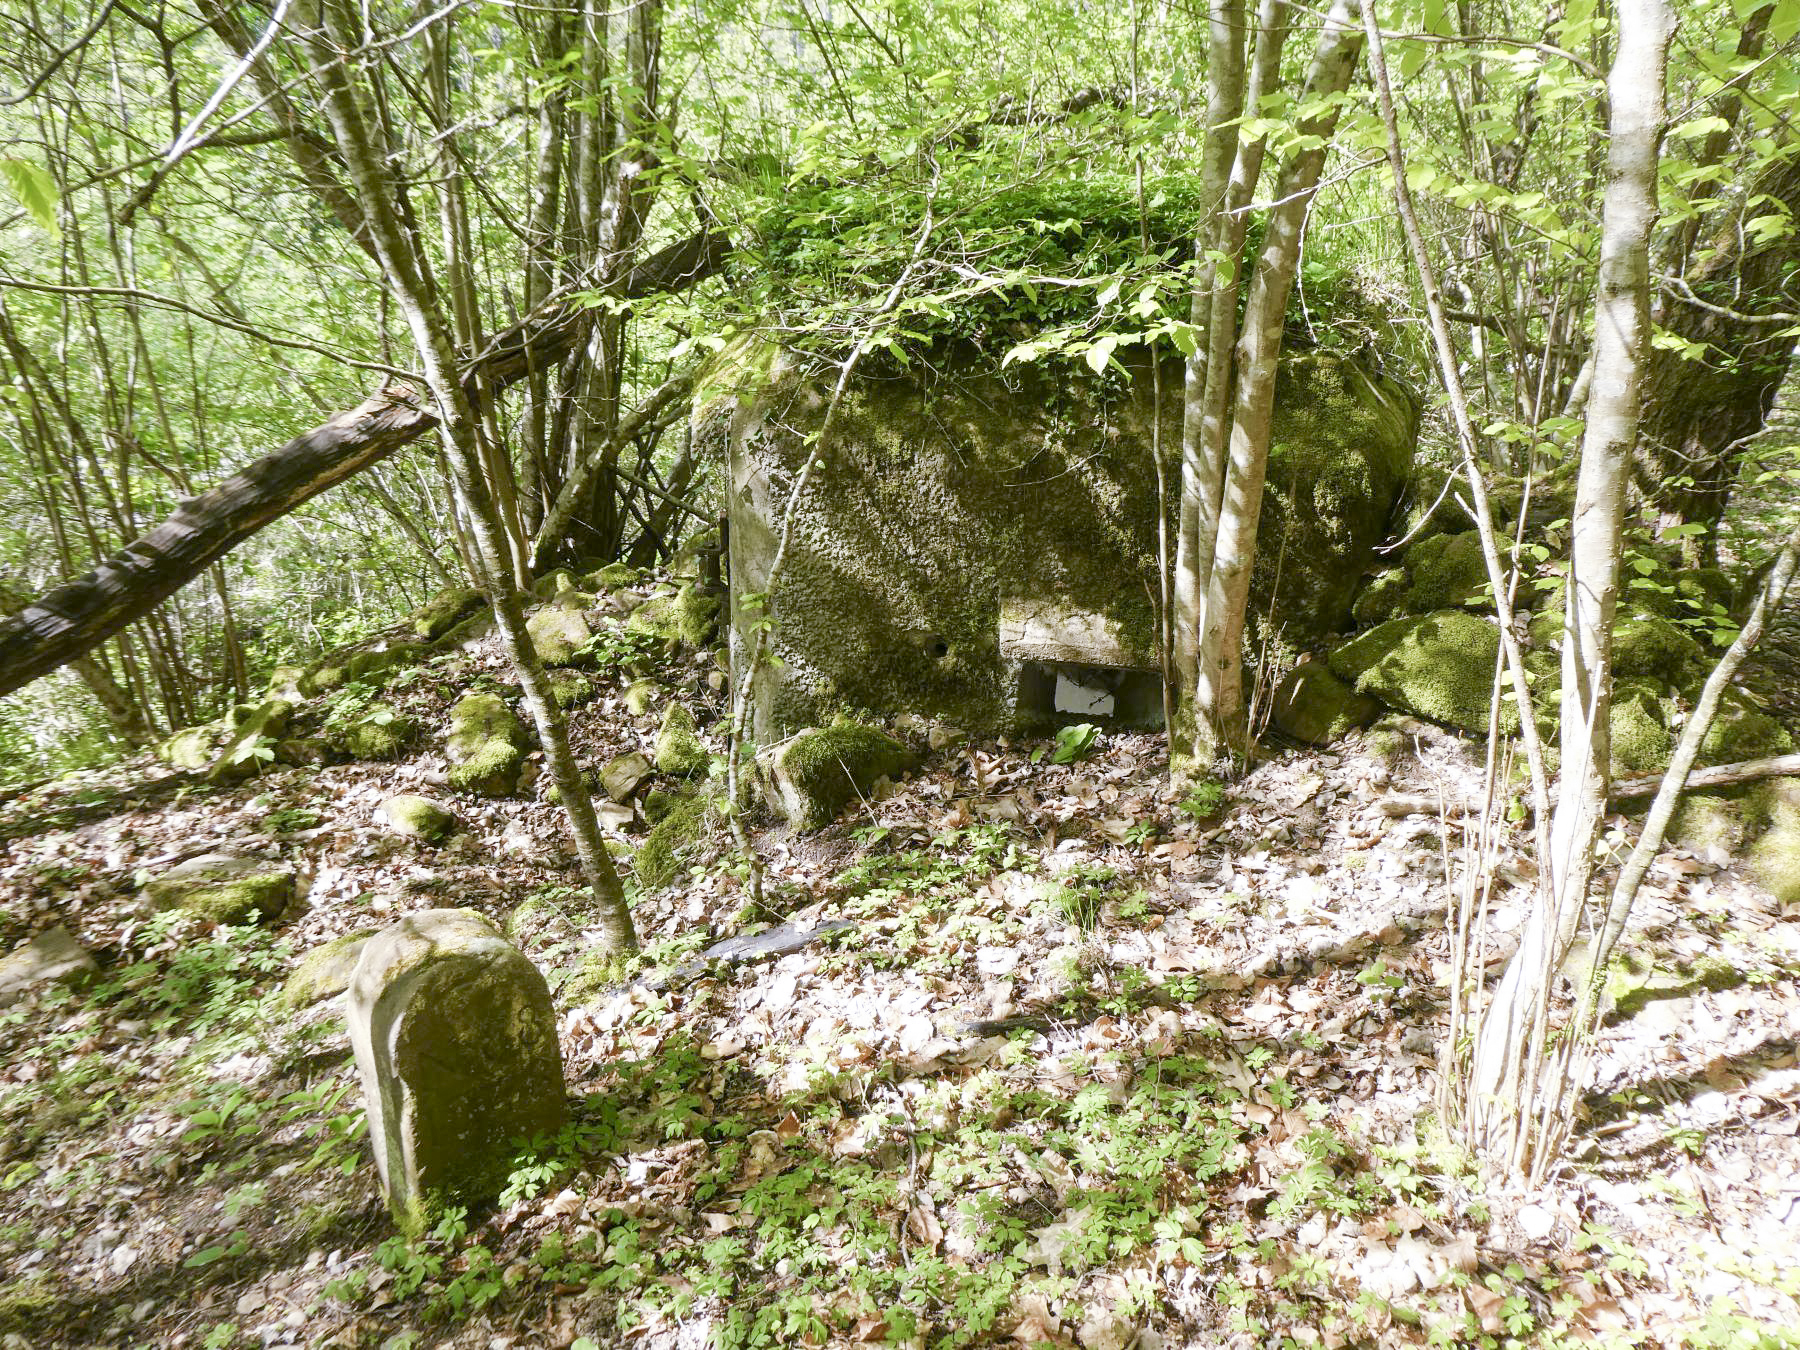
(225,890)
(486,746)
(811,777)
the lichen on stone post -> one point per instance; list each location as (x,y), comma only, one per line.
(455,1041)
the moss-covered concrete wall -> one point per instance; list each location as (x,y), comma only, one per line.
(957,494)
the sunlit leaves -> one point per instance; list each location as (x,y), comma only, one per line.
(35,190)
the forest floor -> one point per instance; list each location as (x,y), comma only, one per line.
(1091,1063)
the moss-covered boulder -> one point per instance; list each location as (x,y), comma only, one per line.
(322,677)
(1314,706)
(1447,571)
(302,751)
(1439,666)
(378,733)
(372,667)
(560,629)
(642,696)
(251,747)
(192,747)
(1382,597)
(224,889)
(679,749)
(456,1045)
(324,971)
(486,746)
(471,630)
(1741,730)
(555,583)
(1775,856)
(570,690)
(961,528)
(811,777)
(1650,646)
(419,817)
(52,957)
(284,683)
(658,617)
(681,822)
(697,615)
(438,615)
(615,576)
(1641,740)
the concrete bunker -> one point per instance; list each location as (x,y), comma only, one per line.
(978,545)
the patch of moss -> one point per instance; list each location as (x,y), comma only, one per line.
(1314,706)
(1708,820)
(679,749)
(486,745)
(1775,857)
(817,772)
(324,971)
(1439,666)
(658,861)
(444,611)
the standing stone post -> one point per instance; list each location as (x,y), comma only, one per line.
(455,1038)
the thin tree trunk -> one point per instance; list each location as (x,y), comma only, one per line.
(1510,1041)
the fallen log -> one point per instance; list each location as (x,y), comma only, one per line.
(1720,775)
(76,616)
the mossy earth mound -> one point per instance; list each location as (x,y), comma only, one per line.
(486,746)
(944,506)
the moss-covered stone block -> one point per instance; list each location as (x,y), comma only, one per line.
(470,631)
(324,971)
(1740,730)
(419,817)
(456,1045)
(679,749)
(623,774)
(284,683)
(226,890)
(560,630)
(1439,666)
(438,615)
(486,746)
(658,617)
(682,823)
(944,505)
(1705,821)
(1447,571)
(812,776)
(1314,706)
(322,678)
(378,734)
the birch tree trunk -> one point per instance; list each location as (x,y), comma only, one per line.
(1221,723)
(457,420)
(1510,1042)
